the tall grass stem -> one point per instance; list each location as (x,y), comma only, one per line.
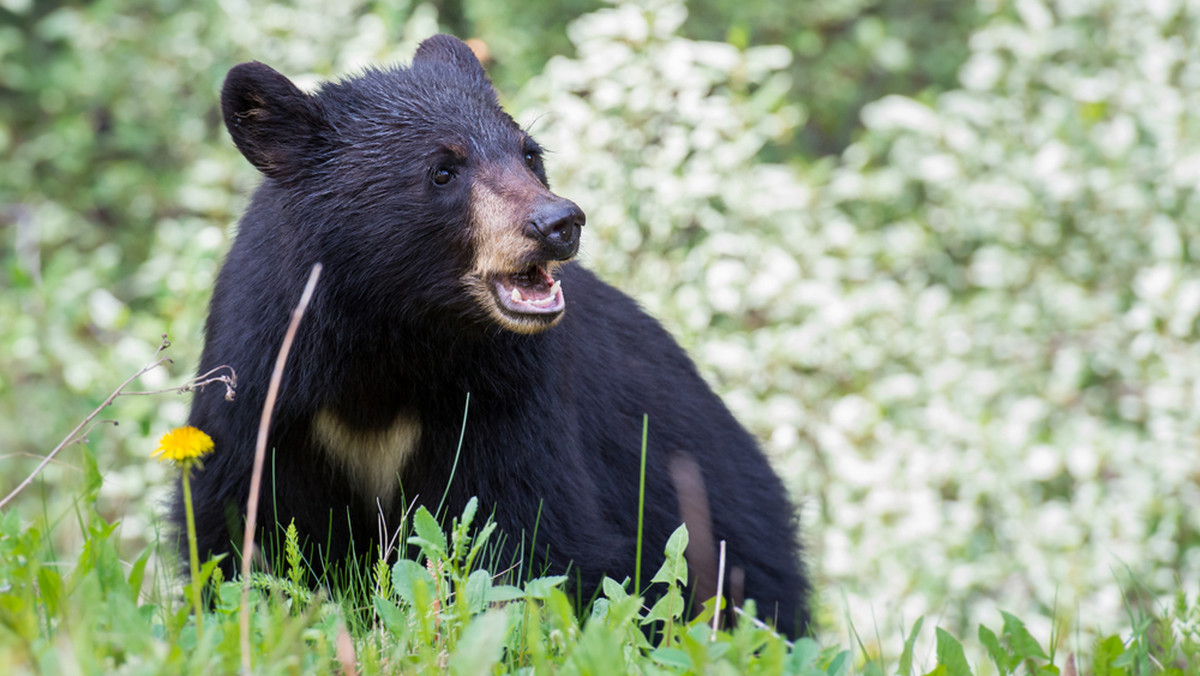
(462,433)
(194,556)
(637,563)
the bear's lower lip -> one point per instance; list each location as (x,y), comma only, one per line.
(533,291)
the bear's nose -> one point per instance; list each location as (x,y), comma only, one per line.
(556,224)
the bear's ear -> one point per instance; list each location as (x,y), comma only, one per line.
(450,50)
(279,128)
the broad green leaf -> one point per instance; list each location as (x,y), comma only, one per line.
(674,568)
(429,548)
(229,597)
(478,584)
(1107,652)
(672,657)
(669,608)
(718,650)
(804,656)
(394,619)
(429,534)
(613,589)
(705,614)
(504,592)
(696,649)
(1019,639)
(539,587)
(406,574)
(599,651)
(599,610)
(950,655)
(1003,659)
(557,608)
(481,644)
(622,613)
(771,657)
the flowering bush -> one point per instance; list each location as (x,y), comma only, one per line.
(970,344)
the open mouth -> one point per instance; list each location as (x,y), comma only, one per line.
(532,291)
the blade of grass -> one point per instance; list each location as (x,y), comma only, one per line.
(462,433)
(637,563)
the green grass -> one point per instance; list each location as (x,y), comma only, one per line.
(93,611)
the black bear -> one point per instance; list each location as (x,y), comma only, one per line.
(447,273)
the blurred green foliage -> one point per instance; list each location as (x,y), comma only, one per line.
(847,52)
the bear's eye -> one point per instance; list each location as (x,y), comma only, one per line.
(442,175)
(531,160)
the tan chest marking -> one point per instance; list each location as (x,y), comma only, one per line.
(371,459)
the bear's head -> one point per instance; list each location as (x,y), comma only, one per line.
(412,185)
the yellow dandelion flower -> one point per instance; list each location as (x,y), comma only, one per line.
(183,445)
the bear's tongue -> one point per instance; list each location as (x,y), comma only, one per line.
(531,291)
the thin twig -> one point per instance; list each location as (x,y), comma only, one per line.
(78,434)
(260,453)
(199,383)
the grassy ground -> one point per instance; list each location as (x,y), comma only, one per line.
(92,612)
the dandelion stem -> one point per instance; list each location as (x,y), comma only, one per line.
(195,556)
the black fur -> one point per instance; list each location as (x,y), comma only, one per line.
(554,428)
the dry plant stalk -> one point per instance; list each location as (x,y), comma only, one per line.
(80,433)
(260,453)
(344,646)
(717,610)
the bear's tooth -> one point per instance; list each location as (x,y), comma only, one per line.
(516,295)
(556,288)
